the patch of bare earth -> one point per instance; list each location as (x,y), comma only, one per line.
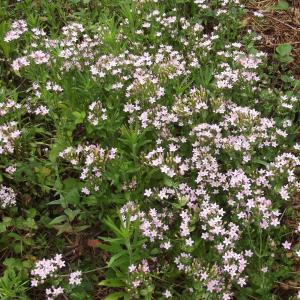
(277,27)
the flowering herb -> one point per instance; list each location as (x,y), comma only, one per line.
(157,129)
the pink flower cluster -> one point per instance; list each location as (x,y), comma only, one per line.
(9,134)
(7,196)
(96,113)
(46,268)
(92,160)
(53,292)
(17,29)
(221,167)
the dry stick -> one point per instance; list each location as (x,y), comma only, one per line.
(292,43)
(294,287)
(288,25)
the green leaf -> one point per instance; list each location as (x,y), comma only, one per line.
(79,116)
(58,220)
(112,283)
(286,78)
(283,53)
(29,223)
(80,228)
(6,47)
(15,236)
(73,196)
(71,213)
(56,149)
(116,261)
(148,291)
(282,5)
(2,227)
(109,222)
(261,162)
(284,49)
(66,227)
(169,182)
(296,84)
(70,183)
(90,200)
(56,202)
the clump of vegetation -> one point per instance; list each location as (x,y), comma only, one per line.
(148,151)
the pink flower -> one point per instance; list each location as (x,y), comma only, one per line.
(75,278)
(286,245)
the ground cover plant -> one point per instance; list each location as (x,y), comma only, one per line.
(148,150)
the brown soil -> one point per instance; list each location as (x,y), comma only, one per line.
(276,27)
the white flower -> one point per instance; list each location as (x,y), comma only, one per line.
(75,278)
(131,268)
(167,294)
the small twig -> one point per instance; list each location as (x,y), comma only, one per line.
(271,45)
(85,272)
(288,25)
(94,270)
(294,287)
